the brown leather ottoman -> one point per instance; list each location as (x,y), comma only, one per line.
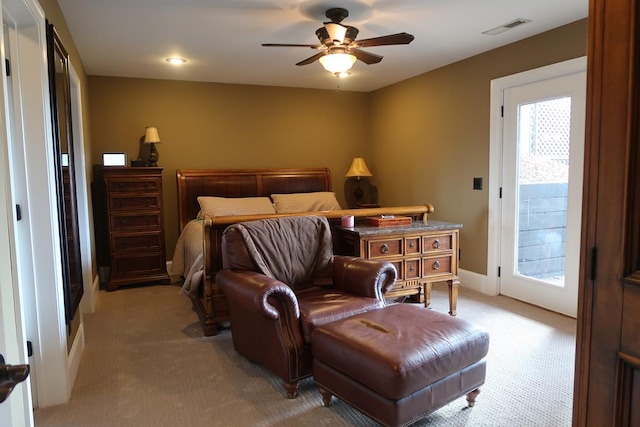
(398,363)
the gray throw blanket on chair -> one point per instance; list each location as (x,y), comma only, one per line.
(295,250)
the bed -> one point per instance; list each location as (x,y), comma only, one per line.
(197,256)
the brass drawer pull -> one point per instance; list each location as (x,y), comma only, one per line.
(436,244)
(412,269)
(412,245)
(384,248)
(436,265)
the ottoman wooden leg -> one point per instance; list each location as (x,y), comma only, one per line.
(471,397)
(326,396)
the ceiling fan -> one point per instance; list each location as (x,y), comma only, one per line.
(338,46)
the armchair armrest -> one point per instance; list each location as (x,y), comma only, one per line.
(363,277)
(252,290)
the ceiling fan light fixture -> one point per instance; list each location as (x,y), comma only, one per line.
(337,63)
(336,32)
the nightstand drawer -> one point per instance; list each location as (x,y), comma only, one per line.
(411,269)
(435,266)
(137,264)
(136,242)
(384,248)
(412,245)
(139,184)
(121,202)
(437,243)
(134,221)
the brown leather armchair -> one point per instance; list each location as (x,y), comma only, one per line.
(282,280)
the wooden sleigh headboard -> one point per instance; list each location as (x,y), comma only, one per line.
(244,183)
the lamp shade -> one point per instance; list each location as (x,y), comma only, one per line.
(151,135)
(358,168)
(337,62)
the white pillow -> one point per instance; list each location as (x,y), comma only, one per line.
(305,202)
(228,206)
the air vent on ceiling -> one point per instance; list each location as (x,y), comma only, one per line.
(505,27)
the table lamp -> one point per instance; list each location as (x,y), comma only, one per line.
(357,170)
(151,137)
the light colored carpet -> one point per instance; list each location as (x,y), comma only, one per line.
(146,363)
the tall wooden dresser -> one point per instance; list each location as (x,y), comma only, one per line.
(135,225)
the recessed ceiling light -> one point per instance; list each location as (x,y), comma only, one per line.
(176,61)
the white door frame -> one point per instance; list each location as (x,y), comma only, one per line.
(571,66)
(43,299)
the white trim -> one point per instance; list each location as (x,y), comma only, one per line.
(75,354)
(495,154)
(476,282)
(83,200)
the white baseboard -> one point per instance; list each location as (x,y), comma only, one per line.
(73,362)
(476,282)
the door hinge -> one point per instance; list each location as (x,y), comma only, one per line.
(502,111)
(500,195)
(29,349)
(459,254)
(7,67)
(18,213)
(499,271)
(594,260)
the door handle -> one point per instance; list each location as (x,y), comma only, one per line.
(10,375)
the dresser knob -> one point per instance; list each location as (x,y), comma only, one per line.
(436,244)
(412,269)
(436,265)
(384,248)
(412,245)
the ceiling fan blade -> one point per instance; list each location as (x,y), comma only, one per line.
(366,57)
(312,58)
(391,39)
(312,46)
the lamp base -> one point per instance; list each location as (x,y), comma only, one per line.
(153,156)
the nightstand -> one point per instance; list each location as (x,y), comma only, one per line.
(423,252)
(135,225)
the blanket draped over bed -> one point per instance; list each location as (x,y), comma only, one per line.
(188,258)
(294,250)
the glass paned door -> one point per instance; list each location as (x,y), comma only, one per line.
(543,142)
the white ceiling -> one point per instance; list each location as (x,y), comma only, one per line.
(221,38)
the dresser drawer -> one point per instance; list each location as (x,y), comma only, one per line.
(120,202)
(436,265)
(137,264)
(134,221)
(384,248)
(437,243)
(136,242)
(131,185)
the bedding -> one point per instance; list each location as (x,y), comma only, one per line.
(187,259)
(229,206)
(319,201)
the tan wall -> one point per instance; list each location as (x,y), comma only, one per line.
(430,134)
(216,126)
